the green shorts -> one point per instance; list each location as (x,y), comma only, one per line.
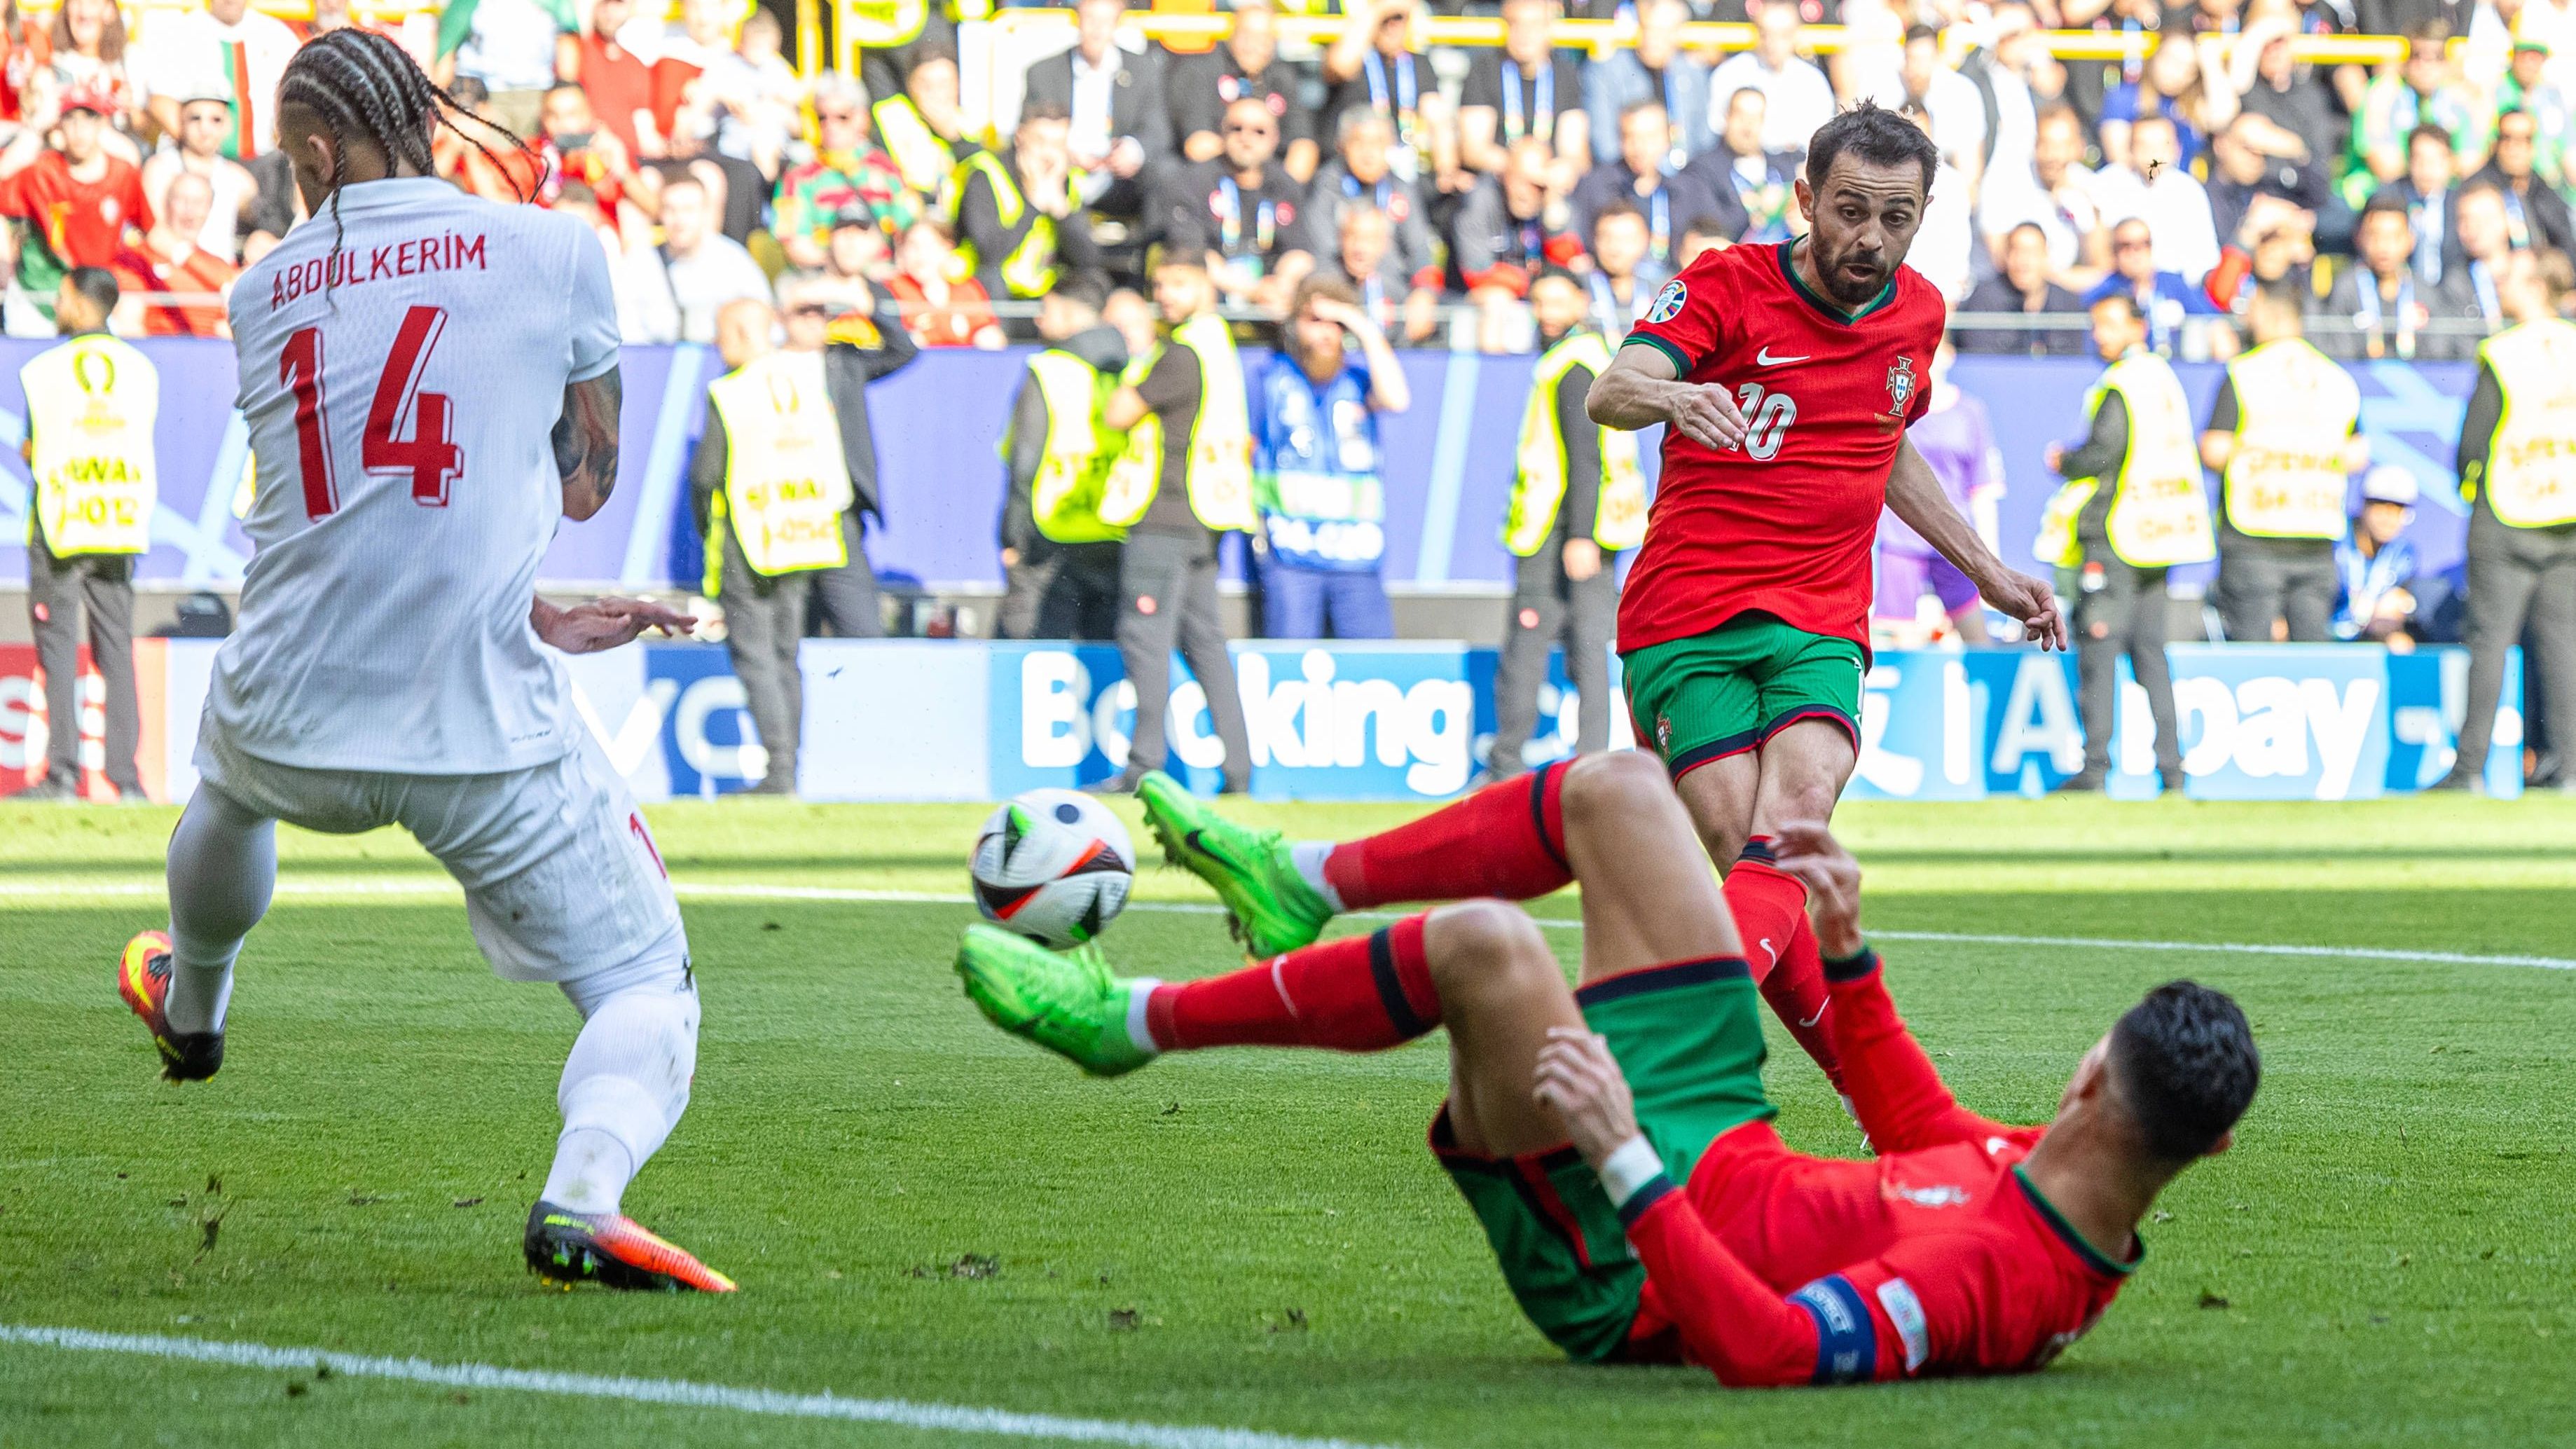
(1688,1036)
(1726,691)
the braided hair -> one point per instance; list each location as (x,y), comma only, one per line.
(366,87)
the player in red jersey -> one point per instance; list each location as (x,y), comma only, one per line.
(1786,376)
(1614,1141)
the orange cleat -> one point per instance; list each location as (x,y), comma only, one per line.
(143,979)
(613,1251)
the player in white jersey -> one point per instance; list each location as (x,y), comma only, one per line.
(431,384)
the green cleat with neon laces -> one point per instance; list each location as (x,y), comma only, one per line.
(1271,906)
(1065,1001)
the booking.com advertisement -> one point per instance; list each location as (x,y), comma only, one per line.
(942,720)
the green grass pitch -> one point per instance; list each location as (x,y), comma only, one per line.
(918,1207)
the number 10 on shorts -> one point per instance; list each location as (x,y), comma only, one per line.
(1767,416)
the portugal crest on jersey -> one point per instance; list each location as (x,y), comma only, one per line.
(1668,302)
(1900,386)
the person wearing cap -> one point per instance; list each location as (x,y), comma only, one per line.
(2375,564)
(205,119)
(840,321)
(2527,88)
(2517,465)
(92,402)
(84,206)
(2284,437)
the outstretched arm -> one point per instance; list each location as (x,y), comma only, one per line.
(585,440)
(603,623)
(1914,494)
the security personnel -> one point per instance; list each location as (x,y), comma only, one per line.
(770,482)
(893,36)
(2518,455)
(1316,470)
(1019,220)
(856,352)
(1184,477)
(2132,507)
(1059,558)
(91,404)
(2283,436)
(1578,501)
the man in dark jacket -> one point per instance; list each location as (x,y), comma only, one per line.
(1115,102)
(1057,590)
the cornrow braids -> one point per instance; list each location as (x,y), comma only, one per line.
(364,86)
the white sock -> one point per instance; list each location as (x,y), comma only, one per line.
(1139,1032)
(624,1087)
(222,867)
(1308,856)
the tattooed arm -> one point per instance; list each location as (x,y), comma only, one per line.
(586,444)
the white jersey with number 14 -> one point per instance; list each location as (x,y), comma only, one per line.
(402,383)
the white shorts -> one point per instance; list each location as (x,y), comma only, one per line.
(562,879)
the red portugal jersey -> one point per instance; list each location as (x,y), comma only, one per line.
(1939,1257)
(1784,523)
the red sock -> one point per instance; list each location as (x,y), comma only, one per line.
(1505,840)
(1357,994)
(1771,914)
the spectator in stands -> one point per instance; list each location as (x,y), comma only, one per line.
(746,97)
(681,54)
(2024,286)
(2172,88)
(2422,92)
(1956,107)
(471,151)
(942,305)
(1365,261)
(2057,193)
(514,48)
(2485,239)
(1528,88)
(672,293)
(205,120)
(88,54)
(2164,299)
(2526,88)
(2286,92)
(170,258)
(1240,209)
(2381,308)
(576,149)
(576,200)
(1656,69)
(1016,217)
(1698,239)
(2155,188)
(224,49)
(1625,275)
(1318,472)
(848,170)
(1118,122)
(1638,180)
(1515,225)
(1998,69)
(1946,236)
(859,250)
(1203,90)
(83,206)
(2275,243)
(1754,189)
(2254,157)
(1363,175)
(2431,201)
(618,81)
(2375,565)
(1373,66)
(1797,97)
(2534,211)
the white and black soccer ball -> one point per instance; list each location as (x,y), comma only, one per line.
(1053,865)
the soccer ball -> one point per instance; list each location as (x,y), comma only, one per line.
(1053,865)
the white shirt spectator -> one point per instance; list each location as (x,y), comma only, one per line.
(1958,111)
(511,47)
(2070,214)
(2016,122)
(677,300)
(1094,86)
(187,53)
(2175,208)
(1799,98)
(1941,245)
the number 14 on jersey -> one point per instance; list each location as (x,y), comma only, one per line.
(429,455)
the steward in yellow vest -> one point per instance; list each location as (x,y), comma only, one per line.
(2133,506)
(1059,557)
(91,405)
(892,37)
(1183,477)
(1019,223)
(1578,501)
(2517,462)
(2284,438)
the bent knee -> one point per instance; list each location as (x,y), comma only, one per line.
(1614,783)
(1483,947)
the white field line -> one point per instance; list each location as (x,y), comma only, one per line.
(903,1413)
(348,889)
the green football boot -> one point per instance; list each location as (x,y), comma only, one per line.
(1270,906)
(1064,1001)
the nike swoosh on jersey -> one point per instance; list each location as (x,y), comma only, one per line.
(1765,359)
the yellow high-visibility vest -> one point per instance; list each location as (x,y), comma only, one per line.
(91,403)
(787,482)
(1219,472)
(1030,270)
(1538,489)
(918,153)
(2531,465)
(2294,410)
(2159,515)
(882,23)
(1073,466)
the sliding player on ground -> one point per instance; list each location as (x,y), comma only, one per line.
(1786,376)
(1614,1140)
(431,383)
